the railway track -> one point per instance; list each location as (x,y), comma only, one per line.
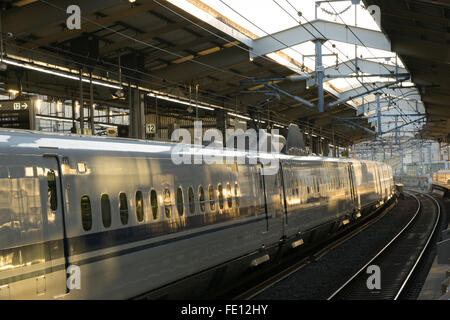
(397,261)
(315,254)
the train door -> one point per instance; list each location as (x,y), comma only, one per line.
(354,197)
(274,203)
(54,227)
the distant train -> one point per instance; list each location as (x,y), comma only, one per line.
(441,182)
(127,221)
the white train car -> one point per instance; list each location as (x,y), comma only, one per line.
(133,222)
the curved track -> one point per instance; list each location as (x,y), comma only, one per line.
(397,261)
(315,254)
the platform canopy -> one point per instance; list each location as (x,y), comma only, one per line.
(419,33)
(218,51)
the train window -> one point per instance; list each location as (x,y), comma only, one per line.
(229,196)
(139,206)
(191,200)
(167,203)
(201,198)
(154,204)
(123,208)
(106,210)
(52,195)
(220,190)
(236,194)
(86,213)
(212,203)
(180,202)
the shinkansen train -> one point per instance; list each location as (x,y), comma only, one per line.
(110,218)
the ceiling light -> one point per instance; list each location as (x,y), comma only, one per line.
(179,101)
(59,74)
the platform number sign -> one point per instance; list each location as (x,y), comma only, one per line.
(150,128)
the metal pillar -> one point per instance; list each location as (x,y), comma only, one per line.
(448,156)
(396,129)
(334,144)
(81,102)
(137,115)
(158,131)
(74,123)
(220,123)
(91,106)
(320,74)
(378,113)
(130,112)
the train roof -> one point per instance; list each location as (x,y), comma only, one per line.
(37,140)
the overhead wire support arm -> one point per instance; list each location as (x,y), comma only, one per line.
(345,99)
(287,94)
(249,82)
(405,124)
(353,124)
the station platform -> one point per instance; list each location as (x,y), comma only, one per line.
(437,284)
(432,289)
(439,189)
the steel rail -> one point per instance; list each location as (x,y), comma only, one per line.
(316,255)
(390,244)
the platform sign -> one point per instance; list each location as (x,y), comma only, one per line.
(16,114)
(150,128)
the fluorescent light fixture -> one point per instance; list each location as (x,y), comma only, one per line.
(180,101)
(59,74)
(243,117)
(70,121)
(53,119)
(239,116)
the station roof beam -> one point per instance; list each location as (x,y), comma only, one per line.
(310,31)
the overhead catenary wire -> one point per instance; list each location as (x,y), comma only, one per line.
(267,33)
(176,13)
(348,28)
(168,51)
(163,82)
(157,48)
(150,45)
(368,49)
(209,31)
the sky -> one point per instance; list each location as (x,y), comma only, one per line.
(269,16)
(263,17)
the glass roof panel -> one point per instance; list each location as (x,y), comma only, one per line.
(265,17)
